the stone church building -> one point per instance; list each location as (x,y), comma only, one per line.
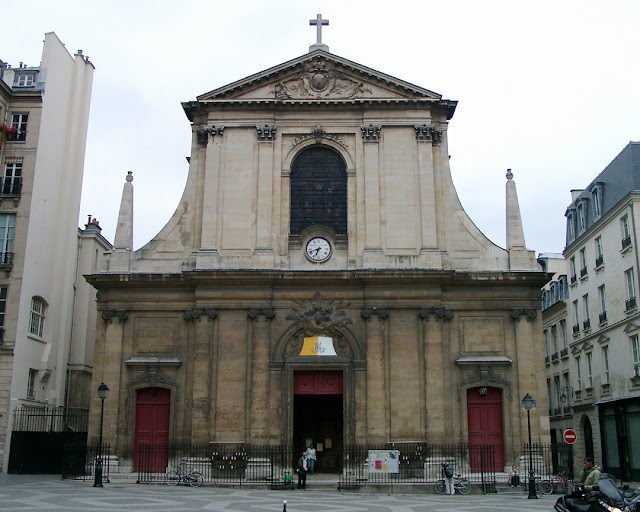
(319,281)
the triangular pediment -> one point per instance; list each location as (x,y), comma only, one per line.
(319,76)
(630,327)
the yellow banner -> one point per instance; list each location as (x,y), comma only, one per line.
(318,346)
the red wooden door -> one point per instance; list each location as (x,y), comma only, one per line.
(151,442)
(484,423)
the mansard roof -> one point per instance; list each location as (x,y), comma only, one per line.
(320,77)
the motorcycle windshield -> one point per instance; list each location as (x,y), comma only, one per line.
(610,491)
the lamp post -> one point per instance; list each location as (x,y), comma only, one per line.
(103,391)
(529,403)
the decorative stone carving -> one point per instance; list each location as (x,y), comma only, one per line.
(321,79)
(203,135)
(294,348)
(196,313)
(428,133)
(267,132)
(368,313)
(529,313)
(443,314)
(153,375)
(319,134)
(320,316)
(109,314)
(483,376)
(371,133)
(269,313)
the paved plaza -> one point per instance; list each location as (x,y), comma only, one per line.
(29,493)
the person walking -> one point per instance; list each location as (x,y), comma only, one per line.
(302,471)
(447,474)
(311,458)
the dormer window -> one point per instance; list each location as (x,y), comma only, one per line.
(596,197)
(571,226)
(582,224)
(25,80)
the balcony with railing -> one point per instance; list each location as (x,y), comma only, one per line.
(586,324)
(583,271)
(599,261)
(626,242)
(6,259)
(630,304)
(554,356)
(602,317)
(573,279)
(576,329)
(16,136)
(564,353)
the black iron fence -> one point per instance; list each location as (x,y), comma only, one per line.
(392,463)
(79,461)
(417,463)
(50,419)
(546,460)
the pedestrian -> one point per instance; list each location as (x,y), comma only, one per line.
(514,477)
(302,471)
(447,474)
(311,458)
(589,475)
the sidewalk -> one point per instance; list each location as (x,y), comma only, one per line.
(21,493)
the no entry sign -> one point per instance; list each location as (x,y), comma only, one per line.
(570,436)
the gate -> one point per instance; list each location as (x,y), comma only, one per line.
(38,437)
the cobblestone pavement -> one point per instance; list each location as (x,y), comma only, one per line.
(29,493)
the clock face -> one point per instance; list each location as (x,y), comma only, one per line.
(318,249)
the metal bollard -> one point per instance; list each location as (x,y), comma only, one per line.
(284,506)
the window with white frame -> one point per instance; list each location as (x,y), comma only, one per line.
(7,231)
(578,373)
(571,230)
(567,382)
(626,234)
(572,266)
(585,303)
(563,333)
(36,324)
(3,308)
(25,80)
(31,384)
(18,127)
(597,207)
(576,316)
(558,390)
(603,303)
(12,179)
(582,225)
(599,256)
(635,349)
(546,343)
(583,262)
(590,369)
(554,338)
(631,289)
(605,363)
(549,392)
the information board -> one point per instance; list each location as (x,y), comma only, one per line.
(384,461)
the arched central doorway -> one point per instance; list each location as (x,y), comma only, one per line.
(318,416)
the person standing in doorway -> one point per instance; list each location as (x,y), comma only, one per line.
(311,458)
(447,474)
(302,471)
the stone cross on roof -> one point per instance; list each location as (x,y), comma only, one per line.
(319,45)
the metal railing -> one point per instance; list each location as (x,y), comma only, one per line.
(547,459)
(50,419)
(79,461)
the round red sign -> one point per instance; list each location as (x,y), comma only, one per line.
(570,436)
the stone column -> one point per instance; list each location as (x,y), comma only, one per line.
(213,162)
(378,401)
(430,254)
(372,256)
(263,257)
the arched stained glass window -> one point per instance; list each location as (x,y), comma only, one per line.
(318,191)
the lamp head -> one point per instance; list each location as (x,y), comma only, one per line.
(103,391)
(528,402)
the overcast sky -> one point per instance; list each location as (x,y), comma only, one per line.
(550,89)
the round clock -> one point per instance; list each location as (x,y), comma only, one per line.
(318,249)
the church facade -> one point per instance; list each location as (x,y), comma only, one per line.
(319,281)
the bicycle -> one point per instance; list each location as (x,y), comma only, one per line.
(559,481)
(462,485)
(174,477)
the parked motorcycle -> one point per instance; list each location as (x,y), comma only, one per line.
(605,497)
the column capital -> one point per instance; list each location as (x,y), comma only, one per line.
(371,132)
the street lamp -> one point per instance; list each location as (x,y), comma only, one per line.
(529,403)
(103,391)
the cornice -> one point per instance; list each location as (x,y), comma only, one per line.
(302,279)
